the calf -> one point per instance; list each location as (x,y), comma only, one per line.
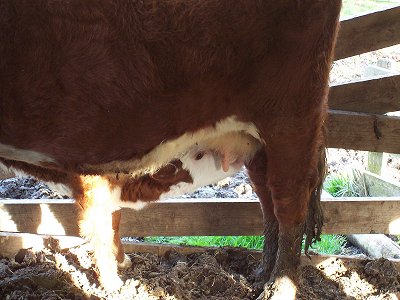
(106,96)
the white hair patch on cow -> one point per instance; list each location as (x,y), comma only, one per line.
(6,172)
(28,156)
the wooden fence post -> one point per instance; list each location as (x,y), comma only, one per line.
(383,67)
(375,160)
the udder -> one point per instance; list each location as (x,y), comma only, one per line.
(204,163)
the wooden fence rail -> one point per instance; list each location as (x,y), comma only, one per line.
(361,131)
(374,96)
(200,217)
(370,32)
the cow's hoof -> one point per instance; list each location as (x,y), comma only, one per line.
(126,264)
(261,274)
(282,288)
(261,297)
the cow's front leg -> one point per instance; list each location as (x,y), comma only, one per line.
(99,224)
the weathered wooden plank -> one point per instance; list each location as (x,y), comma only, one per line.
(11,242)
(205,217)
(244,217)
(367,132)
(377,245)
(369,32)
(376,185)
(57,217)
(36,201)
(375,160)
(376,96)
(362,215)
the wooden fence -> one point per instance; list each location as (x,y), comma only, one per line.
(356,121)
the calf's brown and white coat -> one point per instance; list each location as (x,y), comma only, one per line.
(125,102)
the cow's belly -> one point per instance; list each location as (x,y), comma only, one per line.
(212,136)
(207,156)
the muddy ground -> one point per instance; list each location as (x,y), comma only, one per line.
(221,274)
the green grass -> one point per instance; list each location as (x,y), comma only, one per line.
(329,244)
(346,185)
(250,242)
(339,186)
(357,7)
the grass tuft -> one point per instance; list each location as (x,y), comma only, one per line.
(250,242)
(346,185)
(329,244)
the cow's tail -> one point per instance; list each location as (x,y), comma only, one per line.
(315,217)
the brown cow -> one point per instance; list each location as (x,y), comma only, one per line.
(103,96)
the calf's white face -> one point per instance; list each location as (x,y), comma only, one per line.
(205,167)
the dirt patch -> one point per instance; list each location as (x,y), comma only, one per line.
(363,279)
(26,188)
(220,274)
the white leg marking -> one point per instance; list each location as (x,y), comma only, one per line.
(126,264)
(96,225)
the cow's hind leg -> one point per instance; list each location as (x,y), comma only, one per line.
(315,218)
(257,170)
(292,178)
(123,260)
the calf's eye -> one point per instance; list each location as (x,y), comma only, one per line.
(199,155)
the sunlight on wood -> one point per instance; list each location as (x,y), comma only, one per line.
(6,222)
(32,241)
(394,226)
(49,223)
